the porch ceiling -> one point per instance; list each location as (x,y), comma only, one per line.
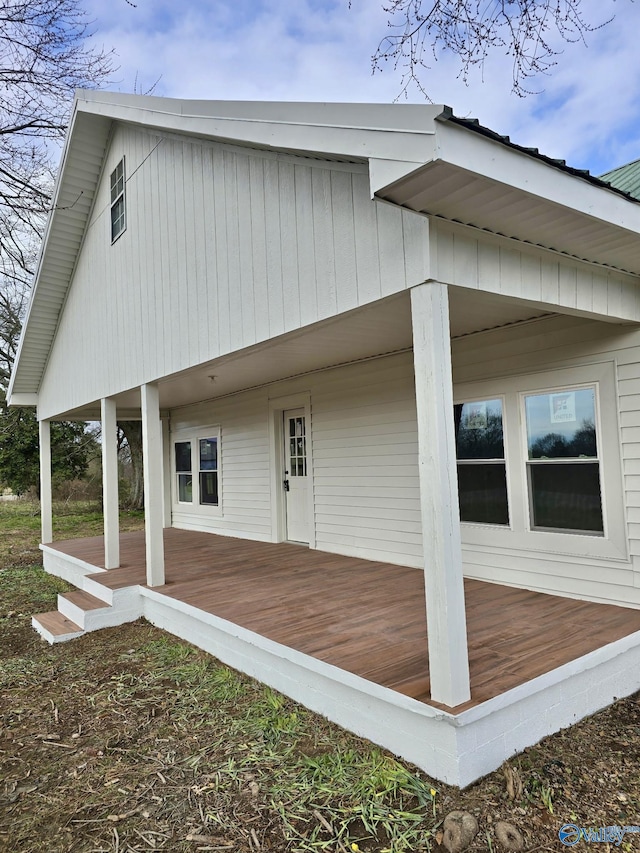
(383,327)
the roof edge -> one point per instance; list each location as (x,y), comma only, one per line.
(473,124)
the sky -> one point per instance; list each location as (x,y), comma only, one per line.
(586,111)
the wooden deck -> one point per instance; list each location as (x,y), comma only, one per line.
(365,617)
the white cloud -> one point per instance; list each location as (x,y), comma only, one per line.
(588,113)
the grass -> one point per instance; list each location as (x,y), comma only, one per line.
(20,526)
(130,740)
(131,721)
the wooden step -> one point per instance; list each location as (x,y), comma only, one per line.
(83,600)
(55,627)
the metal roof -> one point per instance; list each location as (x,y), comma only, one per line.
(605,180)
(625,178)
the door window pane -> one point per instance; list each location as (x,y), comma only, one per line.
(482,476)
(297,447)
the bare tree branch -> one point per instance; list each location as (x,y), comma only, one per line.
(526,30)
(44,57)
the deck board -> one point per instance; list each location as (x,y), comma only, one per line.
(363,616)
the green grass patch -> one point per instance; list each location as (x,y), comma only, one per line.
(20,526)
(28,590)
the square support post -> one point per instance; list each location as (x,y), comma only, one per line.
(46,502)
(110,483)
(166,463)
(444,585)
(153,486)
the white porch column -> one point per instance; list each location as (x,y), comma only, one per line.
(46,505)
(166,463)
(153,486)
(446,618)
(110,484)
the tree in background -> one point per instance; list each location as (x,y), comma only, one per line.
(526,30)
(71,447)
(44,57)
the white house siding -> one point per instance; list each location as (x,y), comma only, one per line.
(244,469)
(224,247)
(364,446)
(365,452)
(554,344)
(471,258)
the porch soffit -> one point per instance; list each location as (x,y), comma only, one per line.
(381,328)
(446,190)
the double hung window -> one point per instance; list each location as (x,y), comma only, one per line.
(196,468)
(563,468)
(482,476)
(538,461)
(118,212)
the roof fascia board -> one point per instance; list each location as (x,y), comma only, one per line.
(460,146)
(24,400)
(303,127)
(41,254)
(385,173)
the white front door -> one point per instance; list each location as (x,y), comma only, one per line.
(295,475)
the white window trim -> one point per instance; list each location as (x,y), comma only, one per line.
(113,202)
(519,535)
(595,386)
(193,435)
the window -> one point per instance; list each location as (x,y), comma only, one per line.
(197,468)
(482,477)
(539,462)
(118,220)
(209,471)
(563,469)
(183,471)
(297,456)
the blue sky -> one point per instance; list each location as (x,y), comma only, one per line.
(588,112)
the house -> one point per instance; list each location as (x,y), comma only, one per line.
(382,357)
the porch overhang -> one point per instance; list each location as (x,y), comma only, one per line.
(476,179)
(380,329)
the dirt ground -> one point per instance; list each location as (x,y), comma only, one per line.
(129,740)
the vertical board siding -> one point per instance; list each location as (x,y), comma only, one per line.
(548,344)
(463,256)
(223,249)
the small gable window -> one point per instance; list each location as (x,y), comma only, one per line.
(118,218)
